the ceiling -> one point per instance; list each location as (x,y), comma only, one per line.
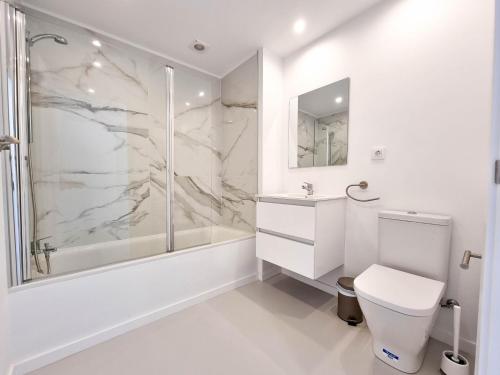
(233,29)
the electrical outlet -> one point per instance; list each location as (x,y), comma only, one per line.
(378,153)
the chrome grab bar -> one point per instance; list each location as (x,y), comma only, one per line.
(362,185)
(6,141)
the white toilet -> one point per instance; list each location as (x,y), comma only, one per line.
(400,297)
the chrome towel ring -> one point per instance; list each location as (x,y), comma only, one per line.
(362,185)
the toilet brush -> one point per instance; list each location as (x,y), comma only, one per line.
(453,363)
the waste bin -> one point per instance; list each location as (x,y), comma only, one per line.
(348,307)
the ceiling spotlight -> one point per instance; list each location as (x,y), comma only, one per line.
(188,104)
(91,91)
(201,94)
(96,43)
(97,64)
(199,46)
(299,26)
(339,99)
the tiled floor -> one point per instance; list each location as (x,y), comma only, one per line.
(280,326)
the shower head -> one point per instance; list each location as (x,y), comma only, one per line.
(56,38)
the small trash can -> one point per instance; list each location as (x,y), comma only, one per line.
(348,307)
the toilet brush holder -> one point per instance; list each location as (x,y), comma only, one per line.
(453,363)
(449,366)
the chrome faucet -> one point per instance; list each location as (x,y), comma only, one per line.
(309,187)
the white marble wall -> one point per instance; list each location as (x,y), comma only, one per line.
(197,156)
(216,151)
(239,145)
(335,126)
(100,142)
(99,139)
(305,139)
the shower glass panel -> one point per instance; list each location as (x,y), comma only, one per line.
(98,149)
(215,146)
(111,165)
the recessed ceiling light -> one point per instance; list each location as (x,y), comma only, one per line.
(91,91)
(339,99)
(299,26)
(96,43)
(201,94)
(188,104)
(199,46)
(97,64)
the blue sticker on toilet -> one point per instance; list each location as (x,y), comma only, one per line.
(390,355)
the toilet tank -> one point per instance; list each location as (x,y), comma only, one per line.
(415,242)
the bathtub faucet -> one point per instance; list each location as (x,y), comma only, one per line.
(46,251)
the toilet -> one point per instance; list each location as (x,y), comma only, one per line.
(400,296)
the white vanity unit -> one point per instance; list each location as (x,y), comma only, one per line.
(301,233)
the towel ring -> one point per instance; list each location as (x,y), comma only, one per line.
(362,185)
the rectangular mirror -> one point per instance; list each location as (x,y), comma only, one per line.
(318,127)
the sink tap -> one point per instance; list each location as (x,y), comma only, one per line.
(309,187)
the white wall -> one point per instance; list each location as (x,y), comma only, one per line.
(270,122)
(420,74)
(270,136)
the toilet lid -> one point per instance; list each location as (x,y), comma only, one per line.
(399,291)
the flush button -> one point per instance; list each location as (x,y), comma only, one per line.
(412,212)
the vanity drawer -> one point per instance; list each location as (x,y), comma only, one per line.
(292,255)
(297,221)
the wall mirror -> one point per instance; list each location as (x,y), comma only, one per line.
(318,127)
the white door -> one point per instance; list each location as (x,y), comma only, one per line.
(488,348)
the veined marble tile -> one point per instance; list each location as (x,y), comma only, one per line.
(95,150)
(239,146)
(334,127)
(240,87)
(100,142)
(305,139)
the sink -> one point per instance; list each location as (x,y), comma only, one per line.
(301,196)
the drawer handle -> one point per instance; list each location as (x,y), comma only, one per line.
(286,236)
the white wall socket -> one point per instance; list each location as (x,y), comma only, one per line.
(378,153)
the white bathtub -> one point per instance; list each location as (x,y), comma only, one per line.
(78,258)
(95,305)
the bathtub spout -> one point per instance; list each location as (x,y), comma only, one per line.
(46,251)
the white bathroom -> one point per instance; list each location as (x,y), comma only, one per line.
(233,187)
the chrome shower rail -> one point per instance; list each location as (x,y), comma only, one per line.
(362,185)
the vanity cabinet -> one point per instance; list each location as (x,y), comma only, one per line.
(303,235)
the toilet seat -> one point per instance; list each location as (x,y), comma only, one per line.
(400,291)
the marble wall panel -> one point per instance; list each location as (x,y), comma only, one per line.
(100,143)
(333,131)
(239,132)
(305,139)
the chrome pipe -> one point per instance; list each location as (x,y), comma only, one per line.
(56,38)
(35,249)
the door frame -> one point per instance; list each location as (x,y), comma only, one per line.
(488,339)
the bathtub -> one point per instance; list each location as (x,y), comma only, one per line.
(84,308)
(79,258)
